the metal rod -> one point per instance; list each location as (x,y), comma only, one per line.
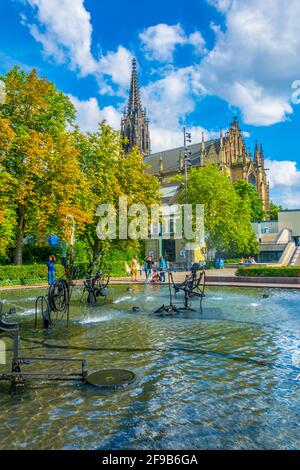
(49,359)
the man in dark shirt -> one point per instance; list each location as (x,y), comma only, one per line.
(148,266)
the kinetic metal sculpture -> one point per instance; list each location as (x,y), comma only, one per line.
(56,303)
(17,378)
(192,286)
(96,286)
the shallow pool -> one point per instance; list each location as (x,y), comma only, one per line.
(225,378)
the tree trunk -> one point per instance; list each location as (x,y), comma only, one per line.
(18,258)
(97,252)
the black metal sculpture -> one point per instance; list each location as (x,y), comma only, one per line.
(96,286)
(106,379)
(54,305)
(192,286)
(16,377)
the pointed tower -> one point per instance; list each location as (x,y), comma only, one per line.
(257,154)
(134,123)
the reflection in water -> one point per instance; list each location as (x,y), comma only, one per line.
(223,379)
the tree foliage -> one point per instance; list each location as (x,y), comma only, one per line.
(41,178)
(227,216)
(248,193)
(274,209)
(111,174)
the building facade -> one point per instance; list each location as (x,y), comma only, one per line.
(279,239)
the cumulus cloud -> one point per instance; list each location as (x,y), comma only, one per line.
(170,98)
(161,40)
(283,173)
(89,114)
(168,101)
(255,59)
(117,65)
(284,178)
(64,29)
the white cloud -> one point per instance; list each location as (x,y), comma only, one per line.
(290,199)
(117,65)
(256,59)
(196,39)
(167,101)
(283,173)
(161,40)
(284,178)
(89,114)
(64,29)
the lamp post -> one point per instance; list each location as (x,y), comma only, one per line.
(187,139)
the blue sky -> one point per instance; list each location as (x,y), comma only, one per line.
(200,63)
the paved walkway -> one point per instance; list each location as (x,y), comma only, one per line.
(214,277)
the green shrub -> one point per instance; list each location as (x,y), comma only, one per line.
(37,273)
(26,274)
(117,269)
(269,271)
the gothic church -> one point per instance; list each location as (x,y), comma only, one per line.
(228,151)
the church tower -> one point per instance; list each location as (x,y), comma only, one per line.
(134,123)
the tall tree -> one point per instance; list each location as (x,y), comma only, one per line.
(111,174)
(248,193)
(274,209)
(7,204)
(227,217)
(39,158)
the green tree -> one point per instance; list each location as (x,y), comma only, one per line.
(274,208)
(39,163)
(227,217)
(248,193)
(111,174)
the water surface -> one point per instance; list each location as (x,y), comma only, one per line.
(225,378)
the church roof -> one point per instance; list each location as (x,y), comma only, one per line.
(170,157)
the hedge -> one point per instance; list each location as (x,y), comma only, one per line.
(269,271)
(37,273)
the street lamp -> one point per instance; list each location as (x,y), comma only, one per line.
(187,139)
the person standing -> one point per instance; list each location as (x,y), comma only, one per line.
(134,266)
(148,267)
(51,269)
(162,268)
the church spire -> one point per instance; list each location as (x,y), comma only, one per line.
(134,102)
(134,123)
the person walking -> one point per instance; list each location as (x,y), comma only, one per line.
(162,268)
(134,266)
(51,269)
